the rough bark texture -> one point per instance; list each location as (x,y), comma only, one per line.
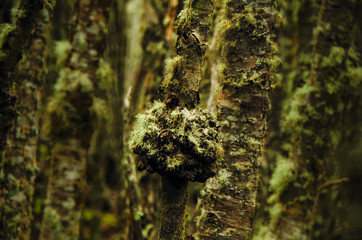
(181,80)
(181,83)
(157,44)
(69,120)
(248,49)
(13,40)
(20,155)
(321,76)
(183,72)
(174,204)
(18,165)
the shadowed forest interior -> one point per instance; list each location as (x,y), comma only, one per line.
(180,119)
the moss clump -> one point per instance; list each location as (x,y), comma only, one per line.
(182,144)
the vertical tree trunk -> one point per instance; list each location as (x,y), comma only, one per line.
(18,163)
(174,204)
(158,20)
(320,73)
(69,121)
(248,49)
(181,81)
(20,154)
(13,39)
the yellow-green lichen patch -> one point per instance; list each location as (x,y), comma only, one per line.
(171,66)
(5,31)
(70,80)
(180,143)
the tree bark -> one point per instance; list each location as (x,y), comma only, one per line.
(174,204)
(13,40)
(181,81)
(228,202)
(69,122)
(18,163)
(320,75)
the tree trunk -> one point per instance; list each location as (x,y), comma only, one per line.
(13,40)
(320,73)
(158,21)
(18,163)
(228,204)
(174,204)
(69,121)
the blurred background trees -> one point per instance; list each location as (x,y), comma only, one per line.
(89,67)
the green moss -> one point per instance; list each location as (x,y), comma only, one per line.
(70,80)
(223,176)
(171,141)
(53,221)
(5,31)
(184,17)
(275,213)
(62,50)
(80,40)
(249,16)
(171,66)
(105,75)
(283,174)
(335,58)
(101,108)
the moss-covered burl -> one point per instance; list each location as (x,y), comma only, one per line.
(173,138)
(180,143)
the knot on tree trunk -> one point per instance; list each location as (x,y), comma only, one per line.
(181,144)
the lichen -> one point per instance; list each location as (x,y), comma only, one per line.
(283,174)
(70,80)
(5,30)
(62,50)
(178,143)
(171,66)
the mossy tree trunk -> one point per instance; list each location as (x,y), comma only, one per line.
(158,23)
(21,152)
(228,202)
(69,120)
(321,76)
(18,165)
(57,32)
(181,85)
(181,81)
(13,39)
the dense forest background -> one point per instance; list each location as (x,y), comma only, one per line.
(280,83)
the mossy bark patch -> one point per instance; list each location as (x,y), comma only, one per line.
(319,89)
(247,46)
(18,166)
(70,121)
(181,144)
(13,39)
